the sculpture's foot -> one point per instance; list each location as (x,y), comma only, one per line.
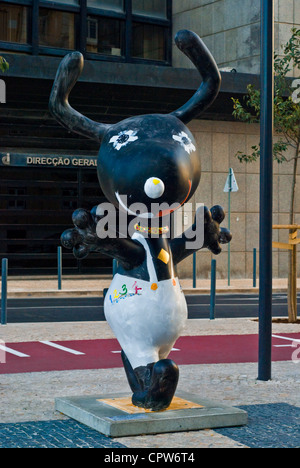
(158,392)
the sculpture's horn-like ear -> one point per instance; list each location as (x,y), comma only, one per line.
(67,75)
(194,48)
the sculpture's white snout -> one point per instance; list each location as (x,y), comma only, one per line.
(154,187)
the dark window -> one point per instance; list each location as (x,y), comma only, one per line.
(124,30)
(13,23)
(152,8)
(62,2)
(148,41)
(105,36)
(57,28)
(110,5)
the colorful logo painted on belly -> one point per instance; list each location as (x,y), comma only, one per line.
(118,296)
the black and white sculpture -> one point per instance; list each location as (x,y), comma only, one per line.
(147,160)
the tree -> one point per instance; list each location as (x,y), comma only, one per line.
(4,66)
(286,122)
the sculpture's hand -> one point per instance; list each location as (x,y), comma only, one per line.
(83,238)
(213,234)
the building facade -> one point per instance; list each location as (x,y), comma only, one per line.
(231,30)
(131,67)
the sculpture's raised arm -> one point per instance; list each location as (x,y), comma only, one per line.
(67,75)
(195,49)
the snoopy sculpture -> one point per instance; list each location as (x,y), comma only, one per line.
(147,159)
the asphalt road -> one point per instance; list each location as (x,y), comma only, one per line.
(91,309)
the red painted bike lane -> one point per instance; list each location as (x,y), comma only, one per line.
(102,354)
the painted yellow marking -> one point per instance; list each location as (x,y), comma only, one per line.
(125,404)
(164,256)
(156,181)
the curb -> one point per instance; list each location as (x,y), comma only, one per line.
(53,293)
(99,293)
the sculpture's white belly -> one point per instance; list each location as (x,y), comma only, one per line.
(146,317)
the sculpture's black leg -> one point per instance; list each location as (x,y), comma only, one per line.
(158,393)
(131,377)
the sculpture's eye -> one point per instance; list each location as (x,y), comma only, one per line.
(123,138)
(185,141)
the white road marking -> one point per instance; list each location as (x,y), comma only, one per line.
(283,346)
(286,338)
(13,351)
(62,348)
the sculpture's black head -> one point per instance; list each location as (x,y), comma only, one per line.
(149,160)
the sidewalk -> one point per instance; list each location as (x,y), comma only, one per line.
(27,412)
(28,417)
(93,286)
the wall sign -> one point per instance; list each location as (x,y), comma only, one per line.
(44,160)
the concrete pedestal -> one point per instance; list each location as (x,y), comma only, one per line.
(115,416)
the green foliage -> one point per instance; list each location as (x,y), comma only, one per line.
(286,124)
(4,66)
(286,112)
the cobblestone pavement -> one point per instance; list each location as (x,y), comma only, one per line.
(52,434)
(275,425)
(28,417)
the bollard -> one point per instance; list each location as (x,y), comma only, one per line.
(4,291)
(194,270)
(59,267)
(213,290)
(115,266)
(254,268)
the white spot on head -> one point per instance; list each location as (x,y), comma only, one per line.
(154,187)
(185,141)
(123,138)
